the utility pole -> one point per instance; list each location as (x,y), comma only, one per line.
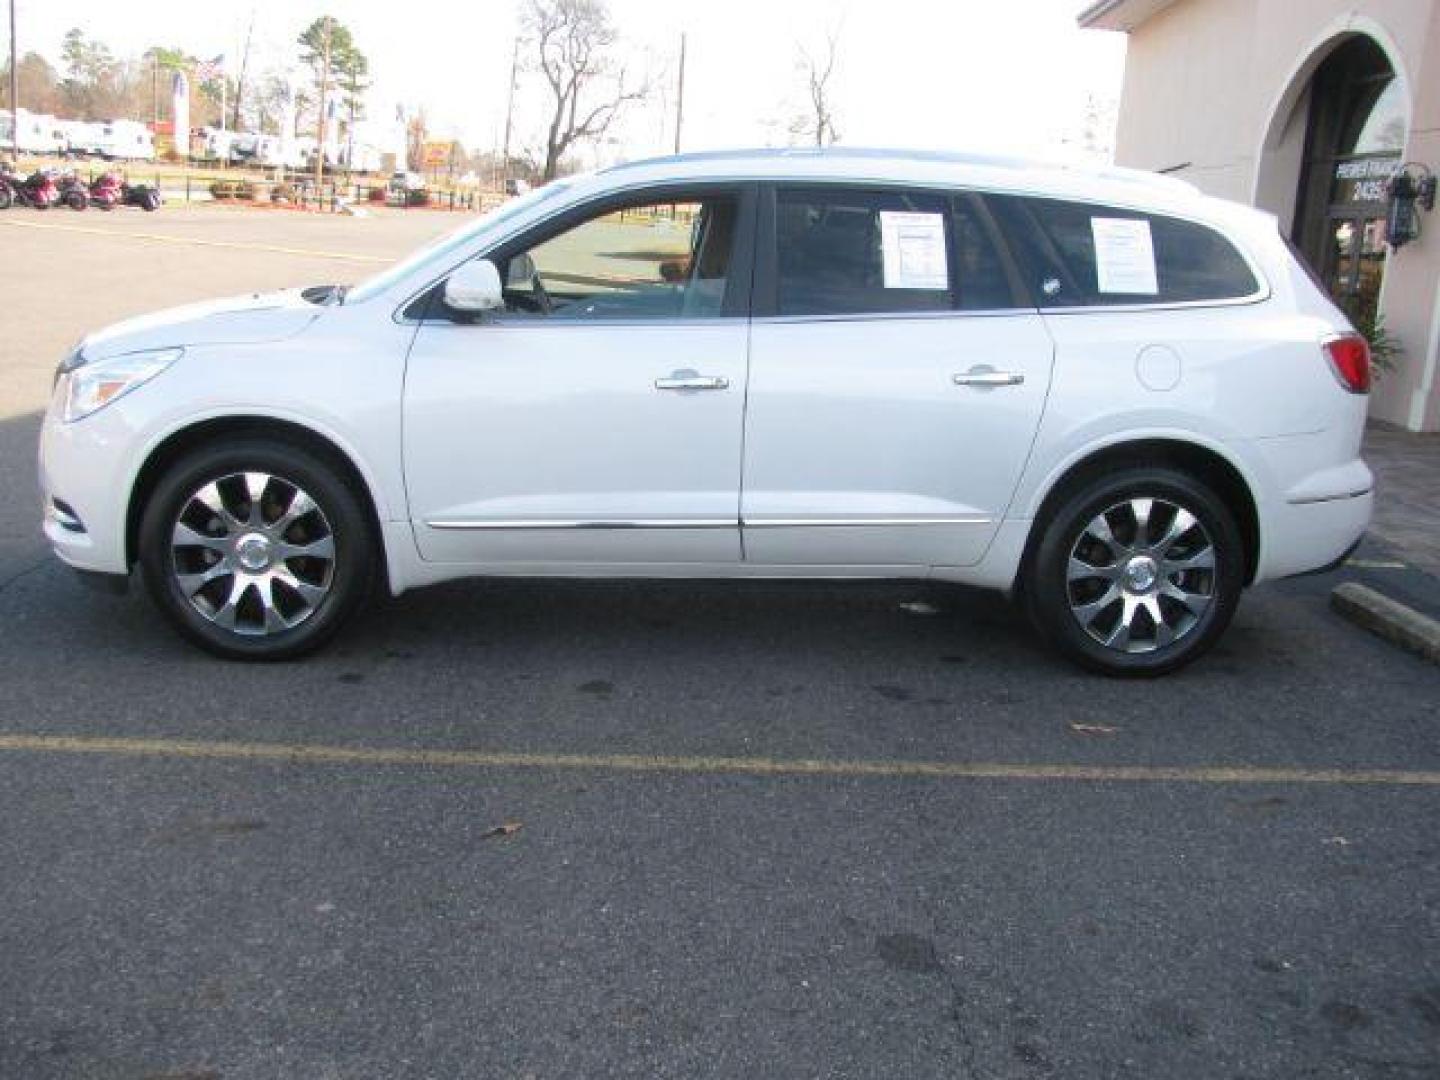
(509,114)
(14,93)
(244,66)
(680,94)
(320,119)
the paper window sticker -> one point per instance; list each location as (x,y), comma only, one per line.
(913,248)
(1124,256)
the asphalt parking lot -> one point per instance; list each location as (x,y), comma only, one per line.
(674,830)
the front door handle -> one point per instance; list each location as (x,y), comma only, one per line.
(687,380)
(984,377)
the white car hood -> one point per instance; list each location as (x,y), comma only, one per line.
(236,320)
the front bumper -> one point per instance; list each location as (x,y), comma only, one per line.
(84,486)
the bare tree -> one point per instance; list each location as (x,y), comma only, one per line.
(818,121)
(572,40)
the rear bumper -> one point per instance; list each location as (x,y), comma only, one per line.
(1304,537)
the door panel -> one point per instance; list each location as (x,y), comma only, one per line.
(862,449)
(534,443)
(597,417)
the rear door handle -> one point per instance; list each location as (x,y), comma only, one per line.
(687,381)
(987,378)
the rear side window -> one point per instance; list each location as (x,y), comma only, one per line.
(843,252)
(1077,254)
(981,280)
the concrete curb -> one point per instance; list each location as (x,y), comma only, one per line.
(1397,623)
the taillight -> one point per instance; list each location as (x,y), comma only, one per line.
(1349,357)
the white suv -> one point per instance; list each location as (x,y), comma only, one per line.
(1117,398)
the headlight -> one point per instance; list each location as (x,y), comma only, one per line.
(87,386)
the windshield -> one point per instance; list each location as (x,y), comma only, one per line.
(452,241)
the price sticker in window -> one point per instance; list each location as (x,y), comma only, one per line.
(913,246)
(1124,256)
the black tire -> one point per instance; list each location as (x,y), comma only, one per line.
(1051,597)
(150,201)
(350,574)
(76,200)
(5,197)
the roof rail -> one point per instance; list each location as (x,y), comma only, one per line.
(943,157)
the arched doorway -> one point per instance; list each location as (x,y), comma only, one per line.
(1358,118)
(1337,135)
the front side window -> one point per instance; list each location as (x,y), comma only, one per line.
(657,260)
(1077,254)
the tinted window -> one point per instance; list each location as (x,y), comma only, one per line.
(664,260)
(856,252)
(1077,254)
(980,275)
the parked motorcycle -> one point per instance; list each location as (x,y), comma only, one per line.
(107,191)
(73,192)
(38,189)
(141,195)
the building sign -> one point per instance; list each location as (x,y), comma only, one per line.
(440,155)
(1363,180)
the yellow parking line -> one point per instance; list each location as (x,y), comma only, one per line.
(162,238)
(310,754)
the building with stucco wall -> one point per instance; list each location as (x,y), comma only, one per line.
(1304,108)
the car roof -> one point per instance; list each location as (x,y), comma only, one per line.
(940,168)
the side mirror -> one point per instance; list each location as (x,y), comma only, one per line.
(474,287)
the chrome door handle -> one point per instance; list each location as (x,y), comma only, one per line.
(984,377)
(693,382)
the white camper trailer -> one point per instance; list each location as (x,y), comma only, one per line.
(218,144)
(39,133)
(125,140)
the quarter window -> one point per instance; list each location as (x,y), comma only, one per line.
(664,260)
(1075,254)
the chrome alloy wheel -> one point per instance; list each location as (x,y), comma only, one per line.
(253,553)
(1141,575)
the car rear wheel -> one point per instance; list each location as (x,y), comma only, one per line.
(256,550)
(1137,572)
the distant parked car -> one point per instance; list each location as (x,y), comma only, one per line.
(1100,391)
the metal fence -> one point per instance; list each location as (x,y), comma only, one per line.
(279,189)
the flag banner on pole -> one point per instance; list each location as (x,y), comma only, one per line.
(180,89)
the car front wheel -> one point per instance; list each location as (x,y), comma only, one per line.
(1137,572)
(255,549)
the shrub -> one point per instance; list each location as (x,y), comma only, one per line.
(1385,347)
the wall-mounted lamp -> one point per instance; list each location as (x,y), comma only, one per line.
(1409,191)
